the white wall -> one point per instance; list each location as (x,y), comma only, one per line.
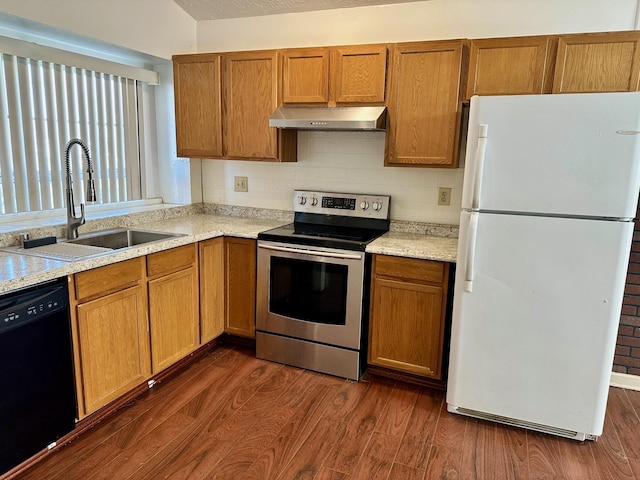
(353,162)
(155,27)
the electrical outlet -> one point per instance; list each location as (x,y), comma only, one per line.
(240,184)
(444,196)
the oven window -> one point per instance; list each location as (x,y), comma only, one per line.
(311,291)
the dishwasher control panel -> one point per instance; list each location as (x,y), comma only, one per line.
(22,309)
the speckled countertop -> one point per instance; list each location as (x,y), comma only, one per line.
(18,271)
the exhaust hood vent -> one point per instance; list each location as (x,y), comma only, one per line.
(329,118)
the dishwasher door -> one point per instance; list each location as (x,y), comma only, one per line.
(37,388)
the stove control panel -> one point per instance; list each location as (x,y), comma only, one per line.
(342,204)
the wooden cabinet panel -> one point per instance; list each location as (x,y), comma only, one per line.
(174,317)
(511,66)
(198,104)
(358,73)
(168,261)
(114,346)
(305,75)
(424,104)
(250,97)
(108,279)
(240,262)
(407,316)
(212,281)
(604,62)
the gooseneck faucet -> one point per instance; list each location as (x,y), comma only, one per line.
(74,222)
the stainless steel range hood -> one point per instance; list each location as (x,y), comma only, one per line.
(329,118)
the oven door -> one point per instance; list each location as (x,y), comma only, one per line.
(310,293)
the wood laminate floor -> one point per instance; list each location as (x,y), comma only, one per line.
(231,416)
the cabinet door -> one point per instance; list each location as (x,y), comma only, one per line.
(602,62)
(510,66)
(212,280)
(358,73)
(198,103)
(305,75)
(424,104)
(406,331)
(113,345)
(173,315)
(240,256)
(250,97)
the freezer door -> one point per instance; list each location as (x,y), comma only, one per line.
(570,155)
(535,319)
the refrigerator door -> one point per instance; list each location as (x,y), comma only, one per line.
(569,155)
(535,319)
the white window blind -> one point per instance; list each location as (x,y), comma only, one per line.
(42,106)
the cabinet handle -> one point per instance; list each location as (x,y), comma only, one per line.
(479,166)
(471,252)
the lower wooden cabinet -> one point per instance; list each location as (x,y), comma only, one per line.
(240,268)
(212,288)
(407,317)
(173,305)
(110,331)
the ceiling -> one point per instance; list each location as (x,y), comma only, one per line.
(220,9)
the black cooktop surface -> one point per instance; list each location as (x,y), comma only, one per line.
(328,236)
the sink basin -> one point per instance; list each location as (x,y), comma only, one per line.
(121,238)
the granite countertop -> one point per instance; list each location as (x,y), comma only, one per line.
(19,271)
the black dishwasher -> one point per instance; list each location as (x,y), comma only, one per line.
(37,389)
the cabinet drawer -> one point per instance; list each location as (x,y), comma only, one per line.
(409,268)
(168,261)
(110,278)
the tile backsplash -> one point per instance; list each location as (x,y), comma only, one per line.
(337,162)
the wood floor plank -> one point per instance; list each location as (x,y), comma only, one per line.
(418,437)
(634,398)
(445,458)
(635,467)
(377,459)
(360,425)
(397,413)
(404,472)
(271,461)
(346,400)
(626,422)
(577,459)
(515,440)
(611,462)
(544,459)
(328,474)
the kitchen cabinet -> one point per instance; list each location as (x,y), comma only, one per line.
(240,298)
(407,318)
(212,288)
(424,103)
(597,62)
(173,305)
(347,74)
(250,83)
(111,331)
(223,103)
(511,66)
(198,105)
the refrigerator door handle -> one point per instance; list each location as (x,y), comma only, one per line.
(479,166)
(471,252)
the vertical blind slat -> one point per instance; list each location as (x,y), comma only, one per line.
(41,161)
(14,94)
(54,125)
(8,194)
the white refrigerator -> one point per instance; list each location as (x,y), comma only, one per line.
(550,192)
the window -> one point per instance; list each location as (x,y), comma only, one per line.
(42,106)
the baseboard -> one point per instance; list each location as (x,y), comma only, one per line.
(624,380)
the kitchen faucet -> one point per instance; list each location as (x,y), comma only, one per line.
(74,222)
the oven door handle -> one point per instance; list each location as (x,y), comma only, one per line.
(316,253)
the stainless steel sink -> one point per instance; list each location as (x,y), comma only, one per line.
(94,244)
(121,238)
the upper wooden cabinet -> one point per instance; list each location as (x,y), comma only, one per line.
(424,103)
(511,66)
(597,62)
(349,74)
(223,103)
(198,105)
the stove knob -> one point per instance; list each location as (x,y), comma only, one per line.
(376,206)
(314,201)
(302,200)
(364,205)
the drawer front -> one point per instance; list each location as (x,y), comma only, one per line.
(110,278)
(168,261)
(410,268)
